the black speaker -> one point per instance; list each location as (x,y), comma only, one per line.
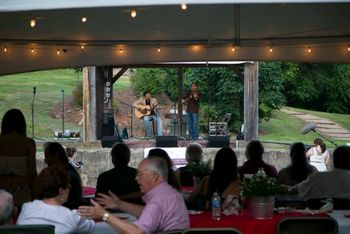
(108,141)
(166,141)
(218,141)
(107,124)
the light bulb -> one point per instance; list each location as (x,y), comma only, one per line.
(133,13)
(5,49)
(349,48)
(183,6)
(309,49)
(233,49)
(271,49)
(32,50)
(83,19)
(120,50)
(158,49)
(32,23)
(58,51)
(82,47)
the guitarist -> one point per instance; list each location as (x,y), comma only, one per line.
(146,110)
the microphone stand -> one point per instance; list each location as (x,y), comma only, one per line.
(62,112)
(34,92)
(324,137)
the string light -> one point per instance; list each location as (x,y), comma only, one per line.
(348,48)
(83,19)
(133,13)
(158,49)
(32,50)
(195,46)
(32,23)
(309,49)
(82,47)
(120,50)
(271,49)
(233,48)
(5,49)
(58,52)
(183,6)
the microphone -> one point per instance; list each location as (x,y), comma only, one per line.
(34,90)
(308,127)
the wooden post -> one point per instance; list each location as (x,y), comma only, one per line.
(179,101)
(251,101)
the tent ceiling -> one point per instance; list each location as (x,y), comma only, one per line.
(112,37)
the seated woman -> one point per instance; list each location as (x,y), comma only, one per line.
(223,179)
(55,155)
(299,169)
(319,155)
(54,187)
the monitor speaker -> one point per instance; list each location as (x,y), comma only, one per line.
(166,141)
(218,141)
(108,141)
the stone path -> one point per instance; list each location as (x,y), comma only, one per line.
(324,126)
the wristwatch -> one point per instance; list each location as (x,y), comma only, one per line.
(105,217)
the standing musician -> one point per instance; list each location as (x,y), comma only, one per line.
(193,97)
(146,110)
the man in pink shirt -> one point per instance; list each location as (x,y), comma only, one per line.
(165,208)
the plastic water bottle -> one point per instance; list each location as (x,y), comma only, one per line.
(216,207)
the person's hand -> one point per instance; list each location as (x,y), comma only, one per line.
(92,212)
(110,201)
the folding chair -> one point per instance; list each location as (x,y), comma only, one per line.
(219,128)
(307,225)
(211,231)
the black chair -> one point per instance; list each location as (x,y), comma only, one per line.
(211,231)
(27,229)
(307,225)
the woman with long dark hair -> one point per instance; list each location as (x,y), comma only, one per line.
(299,169)
(223,180)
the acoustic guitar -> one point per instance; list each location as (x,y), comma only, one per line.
(143,110)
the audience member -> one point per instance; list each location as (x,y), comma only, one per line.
(121,179)
(335,183)
(184,174)
(55,155)
(172,179)
(299,169)
(223,179)
(165,209)
(54,186)
(17,158)
(319,155)
(71,153)
(7,207)
(254,152)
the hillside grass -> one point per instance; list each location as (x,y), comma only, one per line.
(16,91)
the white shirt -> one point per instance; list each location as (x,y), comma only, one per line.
(318,159)
(65,220)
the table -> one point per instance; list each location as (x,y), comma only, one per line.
(249,225)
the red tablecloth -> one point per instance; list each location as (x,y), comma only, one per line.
(88,191)
(245,224)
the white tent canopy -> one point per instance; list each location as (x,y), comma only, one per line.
(310,31)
